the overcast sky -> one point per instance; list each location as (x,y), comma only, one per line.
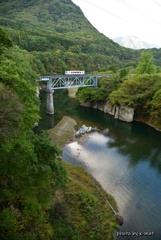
(116,18)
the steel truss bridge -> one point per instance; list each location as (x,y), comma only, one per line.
(71,81)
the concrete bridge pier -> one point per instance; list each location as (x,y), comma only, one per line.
(50,103)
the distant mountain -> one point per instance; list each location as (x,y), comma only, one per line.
(133,42)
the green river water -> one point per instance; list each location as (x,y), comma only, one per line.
(125,159)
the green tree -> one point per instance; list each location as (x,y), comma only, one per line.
(146,64)
(16,73)
(30,171)
(123,73)
(30,174)
(122,96)
(156,106)
(10,114)
(5,41)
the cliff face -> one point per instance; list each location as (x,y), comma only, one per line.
(123,113)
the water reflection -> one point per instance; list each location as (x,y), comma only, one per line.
(137,147)
(126,160)
(136,189)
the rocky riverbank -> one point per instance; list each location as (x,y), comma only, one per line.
(123,113)
(63,132)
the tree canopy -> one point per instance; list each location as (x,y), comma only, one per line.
(30,170)
(146,64)
(37,196)
(59,35)
(5,41)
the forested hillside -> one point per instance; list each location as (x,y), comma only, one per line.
(41,197)
(30,171)
(59,35)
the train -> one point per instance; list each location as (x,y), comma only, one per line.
(75,72)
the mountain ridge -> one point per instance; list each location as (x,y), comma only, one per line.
(133,42)
(60,29)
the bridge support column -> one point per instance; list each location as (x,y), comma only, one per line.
(50,103)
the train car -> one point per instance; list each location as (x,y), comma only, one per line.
(74,72)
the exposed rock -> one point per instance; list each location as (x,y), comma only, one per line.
(95,129)
(84,129)
(95,105)
(126,113)
(108,108)
(36,124)
(119,219)
(99,106)
(86,104)
(37,91)
(63,131)
(123,113)
(117,111)
(106,131)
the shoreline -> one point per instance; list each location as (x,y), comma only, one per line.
(64,133)
(73,95)
(134,119)
(147,123)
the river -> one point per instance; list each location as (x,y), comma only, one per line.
(125,158)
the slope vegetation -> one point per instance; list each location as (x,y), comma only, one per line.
(60,36)
(41,197)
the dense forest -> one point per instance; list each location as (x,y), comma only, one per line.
(30,171)
(41,197)
(39,193)
(60,37)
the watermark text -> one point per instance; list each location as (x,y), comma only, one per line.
(134,233)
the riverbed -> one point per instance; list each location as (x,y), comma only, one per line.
(124,157)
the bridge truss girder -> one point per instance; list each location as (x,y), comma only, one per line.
(59,82)
(71,82)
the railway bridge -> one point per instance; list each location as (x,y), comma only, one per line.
(68,81)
